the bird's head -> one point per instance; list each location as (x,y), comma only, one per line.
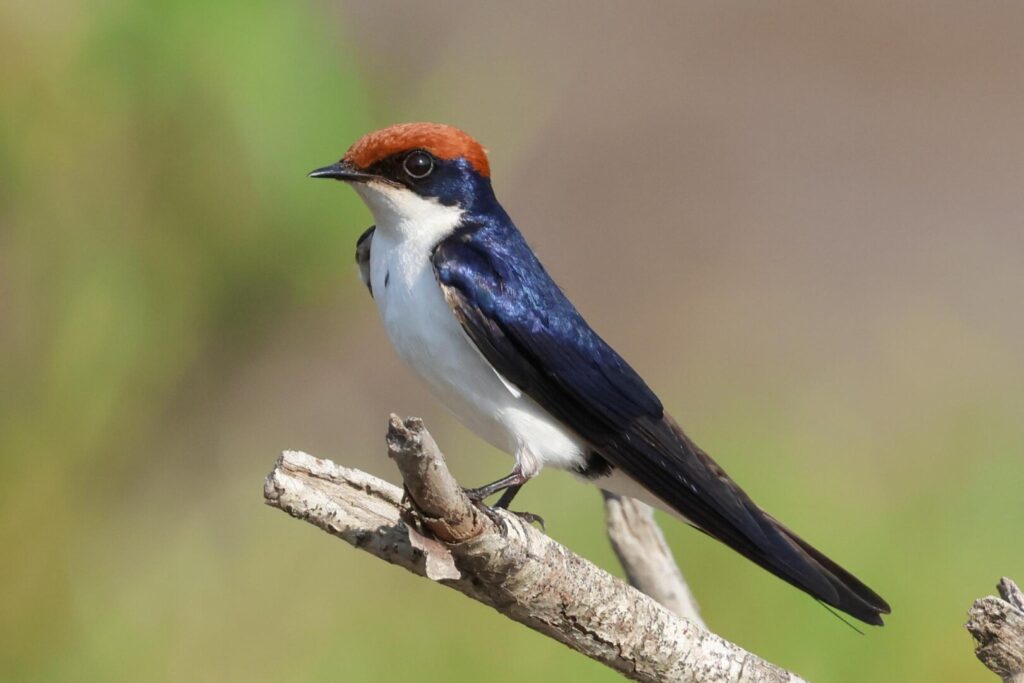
(411,170)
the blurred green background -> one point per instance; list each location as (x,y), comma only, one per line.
(803,223)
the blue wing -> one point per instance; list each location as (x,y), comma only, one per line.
(529,331)
(537,338)
(363,246)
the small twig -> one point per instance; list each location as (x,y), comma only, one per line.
(645,557)
(523,574)
(442,505)
(998,629)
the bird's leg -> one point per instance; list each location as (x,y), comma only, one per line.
(511,483)
(528,517)
(507,496)
(514,480)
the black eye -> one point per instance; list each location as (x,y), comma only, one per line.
(418,165)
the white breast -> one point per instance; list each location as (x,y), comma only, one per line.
(430,340)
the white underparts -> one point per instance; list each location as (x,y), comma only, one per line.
(618,482)
(430,340)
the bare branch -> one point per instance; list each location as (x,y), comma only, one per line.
(524,574)
(998,629)
(645,557)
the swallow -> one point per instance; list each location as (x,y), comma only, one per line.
(469,308)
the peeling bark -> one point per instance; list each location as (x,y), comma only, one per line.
(435,532)
(997,625)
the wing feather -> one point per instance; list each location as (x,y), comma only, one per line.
(529,331)
(363,245)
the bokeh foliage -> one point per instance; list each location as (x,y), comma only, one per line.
(153,216)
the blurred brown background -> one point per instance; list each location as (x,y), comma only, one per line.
(801,222)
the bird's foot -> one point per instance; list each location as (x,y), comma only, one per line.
(501,522)
(492,514)
(478,494)
(511,485)
(530,518)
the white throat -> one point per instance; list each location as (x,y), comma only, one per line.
(407,216)
(430,340)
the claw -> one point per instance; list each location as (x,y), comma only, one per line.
(492,515)
(530,518)
(510,483)
(476,495)
(499,520)
(407,510)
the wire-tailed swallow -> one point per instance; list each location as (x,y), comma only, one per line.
(469,307)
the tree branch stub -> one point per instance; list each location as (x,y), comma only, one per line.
(524,574)
(645,556)
(997,625)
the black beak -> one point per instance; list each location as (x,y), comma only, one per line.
(342,171)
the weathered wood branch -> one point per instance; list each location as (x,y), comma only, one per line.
(997,625)
(645,556)
(433,530)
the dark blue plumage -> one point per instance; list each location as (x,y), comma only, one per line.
(532,334)
(490,264)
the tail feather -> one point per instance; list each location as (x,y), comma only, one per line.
(800,564)
(807,568)
(854,597)
(665,463)
(770,544)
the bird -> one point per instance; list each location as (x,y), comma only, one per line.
(469,308)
